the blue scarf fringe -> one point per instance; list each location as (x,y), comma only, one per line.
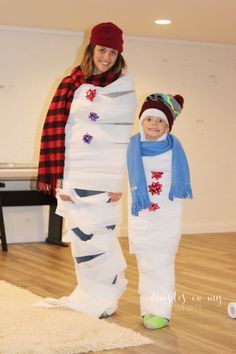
(179,191)
(139,203)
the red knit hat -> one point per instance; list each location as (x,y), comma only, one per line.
(170,105)
(108,35)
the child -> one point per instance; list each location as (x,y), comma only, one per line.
(84,145)
(159,181)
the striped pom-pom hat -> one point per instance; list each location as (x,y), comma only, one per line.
(170,105)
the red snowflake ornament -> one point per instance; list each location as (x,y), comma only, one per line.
(154,207)
(90,94)
(155,188)
(156,174)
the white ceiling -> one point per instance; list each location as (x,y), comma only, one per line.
(194,20)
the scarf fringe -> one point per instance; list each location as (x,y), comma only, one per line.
(47,188)
(177,190)
(139,203)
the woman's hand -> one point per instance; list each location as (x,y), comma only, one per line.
(66,198)
(114,197)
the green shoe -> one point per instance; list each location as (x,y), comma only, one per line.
(154,322)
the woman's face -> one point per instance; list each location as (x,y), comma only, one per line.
(104,58)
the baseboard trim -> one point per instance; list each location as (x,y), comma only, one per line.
(188,229)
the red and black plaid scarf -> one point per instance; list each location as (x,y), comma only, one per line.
(52,150)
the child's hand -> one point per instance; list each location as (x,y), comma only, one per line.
(114,197)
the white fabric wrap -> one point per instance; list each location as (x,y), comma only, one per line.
(154,237)
(91,221)
(99,165)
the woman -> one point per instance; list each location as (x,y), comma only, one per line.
(83,148)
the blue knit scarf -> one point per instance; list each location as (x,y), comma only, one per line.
(180,177)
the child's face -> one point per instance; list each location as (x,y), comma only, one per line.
(154,127)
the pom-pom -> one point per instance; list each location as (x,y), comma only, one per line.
(180,100)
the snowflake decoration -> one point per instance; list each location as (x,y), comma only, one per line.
(93,116)
(156,174)
(155,188)
(90,94)
(87,138)
(154,207)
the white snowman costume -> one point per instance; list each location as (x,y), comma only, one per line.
(97,136)
(154,234)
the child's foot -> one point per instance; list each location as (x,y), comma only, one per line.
(154,322)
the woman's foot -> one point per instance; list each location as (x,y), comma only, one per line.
(104,315)
(154,322)
(108,312)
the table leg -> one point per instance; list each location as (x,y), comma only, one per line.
(55,227)
(2,230)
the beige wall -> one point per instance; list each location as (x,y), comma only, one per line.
(33,62)
(205,75)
